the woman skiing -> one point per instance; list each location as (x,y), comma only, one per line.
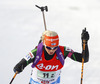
(48,58)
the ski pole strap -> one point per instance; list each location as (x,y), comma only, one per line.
(39,54)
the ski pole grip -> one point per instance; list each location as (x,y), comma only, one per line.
(84,41)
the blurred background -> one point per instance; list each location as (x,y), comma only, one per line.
(21,26)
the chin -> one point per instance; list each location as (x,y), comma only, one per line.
(50,54)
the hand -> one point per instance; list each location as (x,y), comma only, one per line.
(18,68)
(85,35)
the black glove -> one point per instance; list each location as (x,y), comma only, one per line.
(20,66)
(85,35)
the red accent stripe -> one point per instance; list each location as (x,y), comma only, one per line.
(31,55)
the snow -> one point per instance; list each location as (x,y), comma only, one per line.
(21,25)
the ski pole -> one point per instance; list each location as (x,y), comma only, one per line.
(83,53)
(42,9)
(13,77)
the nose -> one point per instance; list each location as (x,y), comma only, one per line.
(51,50)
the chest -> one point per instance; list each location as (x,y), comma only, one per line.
(49,65)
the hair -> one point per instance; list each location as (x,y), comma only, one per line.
(48,33)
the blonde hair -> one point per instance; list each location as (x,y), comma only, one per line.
(48,33)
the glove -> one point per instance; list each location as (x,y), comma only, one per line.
(20,66)
(85,35)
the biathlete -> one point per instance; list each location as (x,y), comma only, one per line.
(48,58)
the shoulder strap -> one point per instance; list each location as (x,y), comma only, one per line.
(60,56)
(38,54)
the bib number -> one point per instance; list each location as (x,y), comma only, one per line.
(48,75)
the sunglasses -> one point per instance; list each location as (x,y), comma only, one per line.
(51,48)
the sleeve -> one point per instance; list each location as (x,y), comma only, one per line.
(25,61)
(31,56)
(75,55)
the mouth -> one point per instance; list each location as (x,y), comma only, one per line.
(51,53)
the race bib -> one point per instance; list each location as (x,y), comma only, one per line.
(46,75)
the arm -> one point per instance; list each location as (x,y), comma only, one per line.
(25,61)
(78,56)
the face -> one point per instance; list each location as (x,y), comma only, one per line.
(50,50)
